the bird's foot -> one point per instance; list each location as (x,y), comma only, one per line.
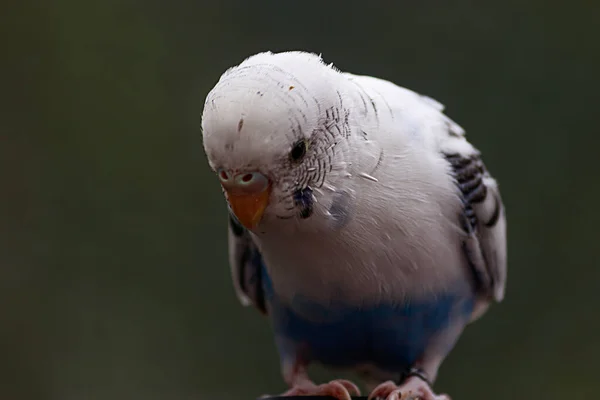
(412,388)
(341,389)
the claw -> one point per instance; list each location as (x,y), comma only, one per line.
(382,391)
(412,388)
(340,389)
(352,389)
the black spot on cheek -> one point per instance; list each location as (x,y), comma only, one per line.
(306,212)
(303,198)
(240,125)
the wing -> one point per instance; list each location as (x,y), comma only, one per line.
(247,268)
(483,217)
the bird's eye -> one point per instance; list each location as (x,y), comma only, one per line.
(298,151)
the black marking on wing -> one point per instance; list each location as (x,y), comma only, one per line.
(251,279)
(249,264)
(469,172)
(496,215)
(480,279)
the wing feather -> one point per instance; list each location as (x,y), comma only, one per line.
(247,268)
(483,214)
(483,219)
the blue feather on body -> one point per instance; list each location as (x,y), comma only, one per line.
(390,336)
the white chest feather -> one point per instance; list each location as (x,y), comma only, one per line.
(378,241)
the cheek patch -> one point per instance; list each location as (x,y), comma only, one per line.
(303,199)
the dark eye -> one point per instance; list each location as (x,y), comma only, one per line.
(298,151)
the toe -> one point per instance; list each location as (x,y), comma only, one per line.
(350,387)
(421,393)
(333,389)
(409,395)
(398,395)
(383,390)
(340,389)
(414,388)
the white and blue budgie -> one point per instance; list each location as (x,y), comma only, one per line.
(362,222)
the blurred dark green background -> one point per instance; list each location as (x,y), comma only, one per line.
(114,281)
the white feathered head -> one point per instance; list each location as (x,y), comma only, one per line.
(273,131)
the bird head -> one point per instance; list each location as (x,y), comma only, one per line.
(274,130)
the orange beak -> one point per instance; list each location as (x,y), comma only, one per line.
(248,207)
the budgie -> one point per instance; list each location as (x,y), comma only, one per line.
(362,222)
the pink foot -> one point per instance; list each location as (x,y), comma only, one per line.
(340,389)
(412,388)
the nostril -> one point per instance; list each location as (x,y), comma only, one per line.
(250,181)
(223,175)
(247,178)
